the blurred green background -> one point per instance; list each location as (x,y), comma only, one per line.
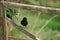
(37,20)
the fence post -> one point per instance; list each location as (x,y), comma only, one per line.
(4,23)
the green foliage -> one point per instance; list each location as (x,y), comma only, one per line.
(0,31)
(11,11)
(55,24)
(32,16)
(42,3)
(0,18)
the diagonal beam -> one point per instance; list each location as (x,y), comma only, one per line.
(15,38)
(31,7)
(23,30)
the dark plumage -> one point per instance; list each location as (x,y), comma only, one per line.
(24,22)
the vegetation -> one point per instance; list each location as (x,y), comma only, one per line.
(36,20)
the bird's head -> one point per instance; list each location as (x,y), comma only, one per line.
(24,18)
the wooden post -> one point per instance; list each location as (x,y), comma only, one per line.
(4,23)
(0,10)
(0,19)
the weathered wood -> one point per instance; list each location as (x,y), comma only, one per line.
(0,23)
(4,24)
(32,7)
(15,38)
(18,1)
(22,29)
(0,10)
(0,38)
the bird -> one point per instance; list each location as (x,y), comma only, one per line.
(24,22)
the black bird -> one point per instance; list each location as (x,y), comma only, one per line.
(24,22)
